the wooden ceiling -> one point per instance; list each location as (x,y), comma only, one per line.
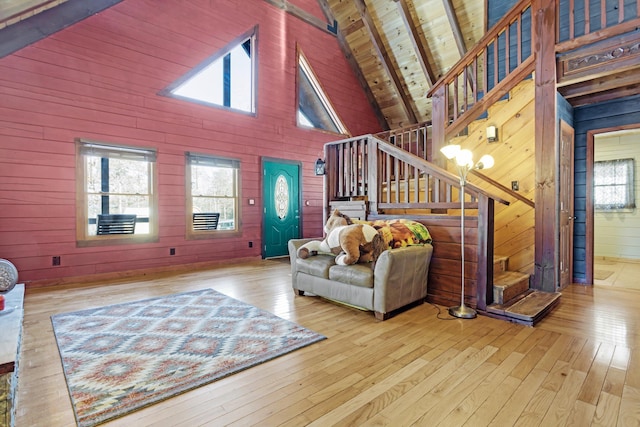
(398,48)
(402,47)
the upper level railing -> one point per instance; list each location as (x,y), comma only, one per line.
(581,22)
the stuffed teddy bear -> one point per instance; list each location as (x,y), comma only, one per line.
(351,243)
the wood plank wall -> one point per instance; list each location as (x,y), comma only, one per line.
(514,156)
(99,79)
(605,115)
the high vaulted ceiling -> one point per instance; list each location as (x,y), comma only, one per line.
(398,48)
(402,47)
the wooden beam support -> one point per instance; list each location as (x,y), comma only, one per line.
(385,60)
(455,27)
(418,45)
(547,157)
(22,34)
(355,67)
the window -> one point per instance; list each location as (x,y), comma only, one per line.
(613,184)
(314,108)
(226,79)
(212,195)
(116,190)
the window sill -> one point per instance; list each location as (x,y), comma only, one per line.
(115,240)
(213,234)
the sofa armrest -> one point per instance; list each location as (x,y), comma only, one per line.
(293,246)
(400,277)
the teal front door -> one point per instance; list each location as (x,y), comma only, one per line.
(281,221)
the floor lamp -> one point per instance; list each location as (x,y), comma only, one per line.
(464,162)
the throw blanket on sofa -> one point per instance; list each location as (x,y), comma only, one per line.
(398,233)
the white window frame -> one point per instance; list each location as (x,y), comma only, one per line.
(252,36)
(305,68)
(625,183)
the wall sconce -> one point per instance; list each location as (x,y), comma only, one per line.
(320,167)
(492,133)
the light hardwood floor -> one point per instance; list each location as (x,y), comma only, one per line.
(579,366)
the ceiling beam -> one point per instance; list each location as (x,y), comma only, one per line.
(418,46)
(385,59)
(455,27)
(17,36)
(355,66)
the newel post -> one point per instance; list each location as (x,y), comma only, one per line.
(372,178)
(484,276)
(547,157)
(439,112)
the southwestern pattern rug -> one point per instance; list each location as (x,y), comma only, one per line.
(123,357)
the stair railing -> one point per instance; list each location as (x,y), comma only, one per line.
(389,177)
(501,59)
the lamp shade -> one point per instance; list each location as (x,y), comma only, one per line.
(486,162)
(465,158)
(450,151)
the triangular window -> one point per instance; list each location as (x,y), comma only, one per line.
(314,108)
(226,79)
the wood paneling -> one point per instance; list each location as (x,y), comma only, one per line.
(624,112)
(514,156)
(99,79)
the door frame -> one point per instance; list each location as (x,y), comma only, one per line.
(298,163)
(589,220)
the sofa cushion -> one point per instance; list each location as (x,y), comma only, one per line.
(317,265)
(356,275)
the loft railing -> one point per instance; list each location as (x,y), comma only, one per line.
(581,22)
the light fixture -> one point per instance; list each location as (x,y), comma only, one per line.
(492,133)
(320,167)
(464,162)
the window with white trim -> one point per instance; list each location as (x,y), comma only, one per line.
(115,182)
(212,195)
(614,184)
(226,79)
(314,108)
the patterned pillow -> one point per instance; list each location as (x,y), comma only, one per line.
(398,233)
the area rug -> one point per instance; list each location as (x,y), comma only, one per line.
(123,357)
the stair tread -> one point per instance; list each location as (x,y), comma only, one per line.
(528,307)
(509,278)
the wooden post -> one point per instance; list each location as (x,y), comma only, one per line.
(439,108)
(484,276)
(547,158)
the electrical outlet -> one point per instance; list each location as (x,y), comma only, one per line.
(55,260)
(172,251)
(250,244)
(515,185)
